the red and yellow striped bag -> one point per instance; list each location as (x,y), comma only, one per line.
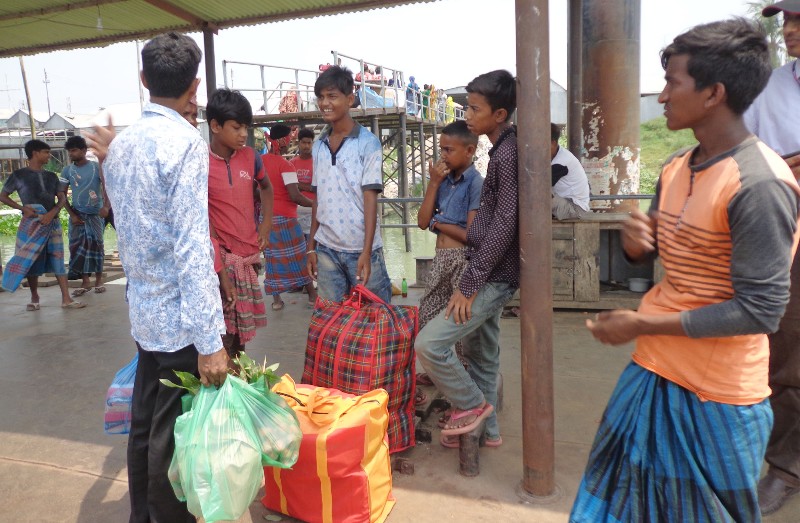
(343,473)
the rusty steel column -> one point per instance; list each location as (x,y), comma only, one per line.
(574,73)
(611,35)
(535,239)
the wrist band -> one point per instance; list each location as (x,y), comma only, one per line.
(311,252)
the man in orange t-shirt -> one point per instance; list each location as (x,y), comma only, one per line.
(304,166)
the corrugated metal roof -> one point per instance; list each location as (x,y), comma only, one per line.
(36,26)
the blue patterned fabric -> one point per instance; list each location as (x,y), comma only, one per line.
(661,454)
(157,178)
(87,190)
(340,178)
(86,247)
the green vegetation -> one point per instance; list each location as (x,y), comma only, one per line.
(657,144)
(10,223)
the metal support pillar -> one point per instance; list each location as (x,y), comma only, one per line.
(376,130)
(611,33)
(403,188)
(535,246)
(423,162)
(413,159)
(208,55)
(575,81)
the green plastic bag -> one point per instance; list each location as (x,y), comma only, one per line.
(223,443)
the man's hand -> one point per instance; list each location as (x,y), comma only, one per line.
(460,307)
(76,220)
(104,210)
(311,264)
(47,218)
(264,229)
(615,327)
(638,235)
(364,267)
(28,212)
(100,139)
(213,368)
(226,291)
(438,172)
(794,164)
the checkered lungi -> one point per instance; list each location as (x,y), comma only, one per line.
(86,250)
(285,265)
(39,249)
(249,313)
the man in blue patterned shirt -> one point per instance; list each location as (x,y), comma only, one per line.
(157,178)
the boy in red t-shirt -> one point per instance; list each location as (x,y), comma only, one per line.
(285,267)
(304,166)
(232,169)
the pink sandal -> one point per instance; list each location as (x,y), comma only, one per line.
(480,413)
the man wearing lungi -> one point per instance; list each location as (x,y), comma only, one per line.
(87,212)
(40,245)
(685,431)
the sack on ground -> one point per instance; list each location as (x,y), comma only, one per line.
(223,443)
(363,344)
(343,474)
(117,415)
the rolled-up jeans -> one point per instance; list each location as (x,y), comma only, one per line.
(336,274)
(467,389)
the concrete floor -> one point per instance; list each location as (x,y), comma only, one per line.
(57,465)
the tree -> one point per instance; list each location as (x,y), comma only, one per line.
(774,29)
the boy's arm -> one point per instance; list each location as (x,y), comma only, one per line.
(266,194)
(305,187)
(106,202)
(311,255)
(53,213)
(5,198)
(438,173)
(370,224)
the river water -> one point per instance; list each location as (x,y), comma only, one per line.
(399,264)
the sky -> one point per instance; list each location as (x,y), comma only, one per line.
(446,43)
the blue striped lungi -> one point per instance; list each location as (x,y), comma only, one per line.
(86,248)
(39,250)
(662,454)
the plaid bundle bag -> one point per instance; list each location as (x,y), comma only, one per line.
(363,344)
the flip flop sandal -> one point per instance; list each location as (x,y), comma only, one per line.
(493,443)
(424,379)
(444,418)
(480,414)
(74,305)
(450,442)
(100,290)
(32,307)
(79,292)
(278,306)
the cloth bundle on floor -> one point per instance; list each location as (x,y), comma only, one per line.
(343,473)
(363,344)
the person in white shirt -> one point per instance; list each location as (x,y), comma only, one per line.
(570,185)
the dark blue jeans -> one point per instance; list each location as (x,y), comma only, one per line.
(336,274)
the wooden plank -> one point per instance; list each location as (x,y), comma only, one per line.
(658,270)
(587,262)
(563,268)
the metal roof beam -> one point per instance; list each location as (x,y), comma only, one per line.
(74,6)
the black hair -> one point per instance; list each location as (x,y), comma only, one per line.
(460,130)
(499,88)
(278,131)
(34,146)
(169,64)
(555,132)
(224,105)
(732,52)
(305,132)
(75,142)
(340,78)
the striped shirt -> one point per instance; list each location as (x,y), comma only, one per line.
(726,231)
